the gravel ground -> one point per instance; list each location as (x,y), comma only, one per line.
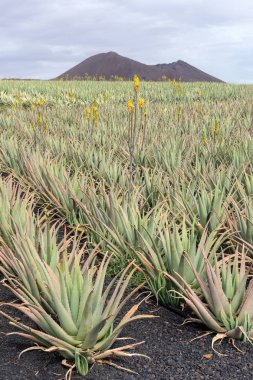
(167,343)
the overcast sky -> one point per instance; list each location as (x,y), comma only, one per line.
(43,38)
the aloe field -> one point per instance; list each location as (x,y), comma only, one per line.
(111,190)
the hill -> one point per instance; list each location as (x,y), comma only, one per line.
(111,65)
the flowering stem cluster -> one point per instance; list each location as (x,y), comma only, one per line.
(91,116)
(39,122)
(136,125)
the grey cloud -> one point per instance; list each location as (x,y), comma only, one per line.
(43,39)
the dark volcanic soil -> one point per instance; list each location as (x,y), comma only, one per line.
(173,355)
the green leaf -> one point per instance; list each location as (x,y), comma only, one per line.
(81,363)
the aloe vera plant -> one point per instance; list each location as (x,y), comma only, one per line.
(16,208)
(109,216)
(244,220)
(240,220)
(206,207)
(247,181)
(166,254)
(54,185)
(227,304)
(82,326)
(26,256)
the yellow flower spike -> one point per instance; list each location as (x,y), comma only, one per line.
(46,126)
(130,105)
(136,83)
(216,128)
(37,102)
(72,97)
(141,102)
(39,118)
(32,106)
(95,113)
(87,113)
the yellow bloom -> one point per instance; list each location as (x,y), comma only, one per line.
(136,83)
(72,97)
(39,118)
(141,102)
(130,105)
(87,113)
(216,128)
(95,113)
